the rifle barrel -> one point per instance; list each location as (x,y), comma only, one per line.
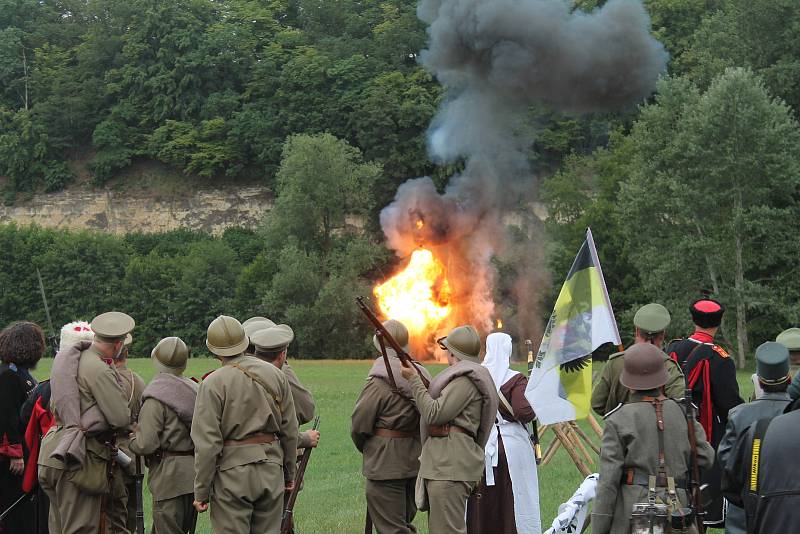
(401,354)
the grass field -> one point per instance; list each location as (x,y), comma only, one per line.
(333,496)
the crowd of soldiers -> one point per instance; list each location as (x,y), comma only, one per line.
(455,445)
(663,469)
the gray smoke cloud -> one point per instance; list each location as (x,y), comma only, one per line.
(497,58)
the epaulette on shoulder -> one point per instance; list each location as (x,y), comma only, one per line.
(719,350)
(618,406)
(676,340)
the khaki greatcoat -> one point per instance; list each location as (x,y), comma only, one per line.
(73,511)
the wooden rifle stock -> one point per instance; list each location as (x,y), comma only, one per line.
(385,337)
(287,524)
(537,446)
(694,472)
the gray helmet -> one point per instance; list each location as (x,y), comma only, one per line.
(170,356)
(397,330)
(226,337)
(643,368)
(464,343)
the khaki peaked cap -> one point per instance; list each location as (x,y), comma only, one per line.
(226,337)
(397,330)
(273,338)
(170,355)
(257,319)
(464,343)
(790,339)
(254,326)
(652,318)
(113,325)
(643,368)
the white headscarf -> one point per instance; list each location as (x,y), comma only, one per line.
(498,356)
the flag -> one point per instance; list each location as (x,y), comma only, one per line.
(560,385)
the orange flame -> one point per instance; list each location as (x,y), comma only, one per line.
(420,224)
(418,296)
(499,324)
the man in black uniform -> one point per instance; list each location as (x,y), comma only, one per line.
(711,375)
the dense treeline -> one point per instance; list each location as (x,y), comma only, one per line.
(696,189)
(304,266)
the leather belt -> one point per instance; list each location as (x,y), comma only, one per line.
(637,478)
(389,433)
(441,431)
(167,454)
(255,439)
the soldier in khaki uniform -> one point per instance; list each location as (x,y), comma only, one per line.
(650,322)
(385,429)
(270,344)
(162,436)
(74,464)
(245,437)
(132,388)
(457,412)
(646,437)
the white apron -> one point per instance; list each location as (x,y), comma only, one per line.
(521,468)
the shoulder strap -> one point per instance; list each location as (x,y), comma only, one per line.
(257,379)
(505,403)
(759,432)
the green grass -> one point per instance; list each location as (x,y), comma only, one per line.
(333,496)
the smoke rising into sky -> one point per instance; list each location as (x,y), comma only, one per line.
(496,58)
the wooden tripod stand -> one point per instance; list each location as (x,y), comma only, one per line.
(576,442)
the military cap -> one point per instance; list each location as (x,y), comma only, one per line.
(643,368)
(254,326)
(790,339)
(772,363)
(112,326)
(706,313)
(226,337)
(463,342)
(273,338)
(257,319)
(652,318)
(170,355)
(397,330)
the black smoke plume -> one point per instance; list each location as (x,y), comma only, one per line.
(497,58)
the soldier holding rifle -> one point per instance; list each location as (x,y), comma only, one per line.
(162,436)
(648,457)
(385,429)
(458,412)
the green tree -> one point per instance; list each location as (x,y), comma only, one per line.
(711,201)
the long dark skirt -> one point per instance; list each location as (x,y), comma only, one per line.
(490,509)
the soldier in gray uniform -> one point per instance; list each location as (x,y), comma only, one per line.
(650,322)
(772,368)
(648,437)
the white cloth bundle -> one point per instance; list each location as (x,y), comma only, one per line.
(572,514)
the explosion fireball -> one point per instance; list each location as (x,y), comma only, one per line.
(418,296)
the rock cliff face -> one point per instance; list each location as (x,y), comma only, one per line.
(206,209)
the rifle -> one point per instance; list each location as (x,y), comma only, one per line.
(694,472)
(385,337)
(193,521)
(53,336)
(287,525)
(11,508)
(537,446)
(139,500)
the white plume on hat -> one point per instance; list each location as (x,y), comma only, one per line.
(73,333)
